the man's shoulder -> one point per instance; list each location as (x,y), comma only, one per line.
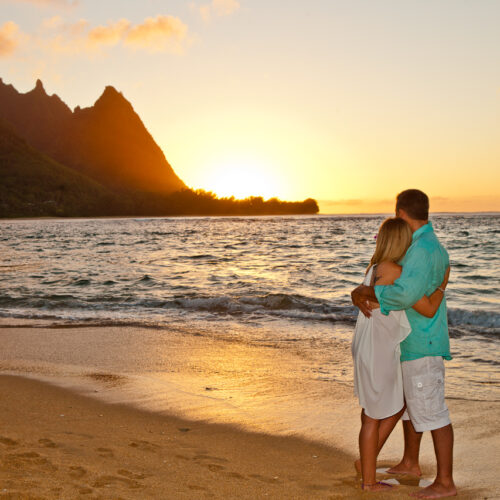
(431,242)
(428,241)
(427,247)
(419,248)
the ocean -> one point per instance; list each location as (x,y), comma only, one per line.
(281,283)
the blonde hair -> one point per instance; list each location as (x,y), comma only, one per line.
(393,239)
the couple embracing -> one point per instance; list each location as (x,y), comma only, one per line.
(400,341)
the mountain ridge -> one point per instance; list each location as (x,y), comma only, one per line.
(107,141)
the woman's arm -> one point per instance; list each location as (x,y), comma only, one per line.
(428,305)
(386,273)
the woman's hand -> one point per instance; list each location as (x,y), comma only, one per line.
(446,277)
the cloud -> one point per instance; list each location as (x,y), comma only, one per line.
(216,8)
(52,23)
(225,7)
(47,3)
(158,34)
(9,38)
(111,34)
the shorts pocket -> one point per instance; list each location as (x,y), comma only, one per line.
(428,390)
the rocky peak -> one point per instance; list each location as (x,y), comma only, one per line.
(111,97)
(107,142)
(39,87)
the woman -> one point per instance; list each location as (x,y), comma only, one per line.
(375,350)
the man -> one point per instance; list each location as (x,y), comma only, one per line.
(422,352)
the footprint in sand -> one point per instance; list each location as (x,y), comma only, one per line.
(105,452)
(7,441)
(264,479)
(318,487)
(130,475)
(47,443)
(212,459)
(215,467)
(103,481)
(85,491)
(31,458)
(144,446)
(76,471)
(234,475)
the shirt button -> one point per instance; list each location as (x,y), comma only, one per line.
(419,385)
(430,342)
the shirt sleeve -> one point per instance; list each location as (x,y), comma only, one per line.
(410,287)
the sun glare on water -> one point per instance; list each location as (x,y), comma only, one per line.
(242,179)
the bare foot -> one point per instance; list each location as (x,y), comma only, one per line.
(379,486)
(357,466)
(406,469)
(436,490)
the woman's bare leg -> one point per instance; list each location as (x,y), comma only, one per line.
(386,426)
(368,449)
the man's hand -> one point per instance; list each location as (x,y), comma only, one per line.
(361,297)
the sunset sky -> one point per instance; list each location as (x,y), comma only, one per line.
(348,102)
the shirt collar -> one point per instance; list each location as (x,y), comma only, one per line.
(426,228)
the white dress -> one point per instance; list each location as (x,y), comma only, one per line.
(378,381)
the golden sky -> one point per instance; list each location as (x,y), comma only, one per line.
(348,102)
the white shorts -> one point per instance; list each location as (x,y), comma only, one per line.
(423,383)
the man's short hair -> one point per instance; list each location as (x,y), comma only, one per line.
(414,202)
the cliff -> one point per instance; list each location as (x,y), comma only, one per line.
(107,142)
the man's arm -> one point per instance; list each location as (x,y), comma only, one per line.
(364,296)
(428,306)
(410,287)
(361,297)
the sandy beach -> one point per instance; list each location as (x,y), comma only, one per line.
(84,441)
(57,444)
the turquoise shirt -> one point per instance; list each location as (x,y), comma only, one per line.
(424,266)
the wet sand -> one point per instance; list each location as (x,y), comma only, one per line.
(58,442)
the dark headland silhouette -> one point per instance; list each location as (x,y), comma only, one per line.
(97,161)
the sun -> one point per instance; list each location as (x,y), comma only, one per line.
(241,179)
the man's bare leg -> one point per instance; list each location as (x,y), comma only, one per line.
(409,463)
(443,486)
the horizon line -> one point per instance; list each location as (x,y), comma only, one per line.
(440,212)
